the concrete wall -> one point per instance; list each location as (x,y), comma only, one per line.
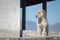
(9,18)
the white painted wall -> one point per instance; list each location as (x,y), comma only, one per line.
(9,18)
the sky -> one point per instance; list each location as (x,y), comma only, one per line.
(53,12)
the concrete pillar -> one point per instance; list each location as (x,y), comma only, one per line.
(9,18)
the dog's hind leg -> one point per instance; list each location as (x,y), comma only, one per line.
(44,32)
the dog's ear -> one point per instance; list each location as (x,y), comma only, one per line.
(43,11)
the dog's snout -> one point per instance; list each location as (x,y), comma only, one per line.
(36,15)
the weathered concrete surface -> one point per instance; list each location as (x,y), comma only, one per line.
(38,38)
(9,18)
(43,38)
(29,33)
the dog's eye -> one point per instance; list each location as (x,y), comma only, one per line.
(39,12)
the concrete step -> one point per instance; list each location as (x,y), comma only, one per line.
(37,38)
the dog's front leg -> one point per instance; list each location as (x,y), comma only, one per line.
(40,29)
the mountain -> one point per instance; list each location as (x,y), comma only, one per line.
(55,27)
(30,25)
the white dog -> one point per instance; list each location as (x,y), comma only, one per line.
(42,24)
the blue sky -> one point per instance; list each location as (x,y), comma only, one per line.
(53,12)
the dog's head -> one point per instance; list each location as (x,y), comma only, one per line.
(40,13)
